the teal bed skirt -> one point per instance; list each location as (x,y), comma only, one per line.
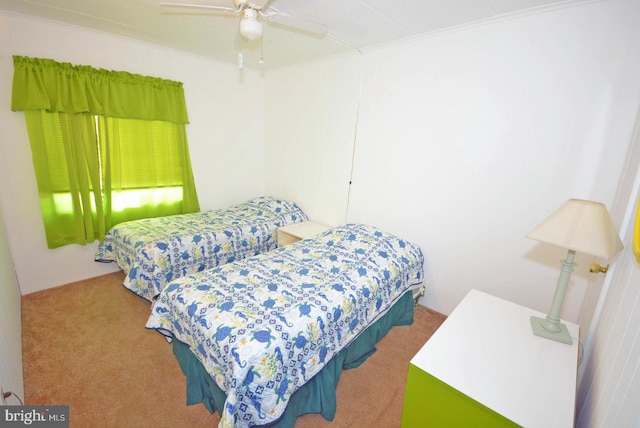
(316,396)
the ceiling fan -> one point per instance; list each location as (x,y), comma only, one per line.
(252,12)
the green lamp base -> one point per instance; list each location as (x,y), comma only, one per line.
(540,330)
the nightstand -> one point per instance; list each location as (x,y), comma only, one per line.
(484,367)
(297,231)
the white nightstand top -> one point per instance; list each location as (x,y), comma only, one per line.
(305,229)
(486,350)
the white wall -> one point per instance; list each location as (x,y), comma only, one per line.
(10,323)
(311,112)
(225,109)
(467,139)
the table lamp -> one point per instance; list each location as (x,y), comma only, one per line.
(578,225)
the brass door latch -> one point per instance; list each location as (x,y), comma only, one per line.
(596,268)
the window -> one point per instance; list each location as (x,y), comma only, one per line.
(107,147)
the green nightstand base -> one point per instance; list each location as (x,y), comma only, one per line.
(429,402)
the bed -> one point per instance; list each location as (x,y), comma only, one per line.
(152,252)
(264,339)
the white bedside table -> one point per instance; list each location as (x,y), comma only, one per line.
(484,367)
(297,231)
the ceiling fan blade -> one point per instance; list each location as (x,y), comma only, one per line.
(299,24)
(257,4)
(201,6)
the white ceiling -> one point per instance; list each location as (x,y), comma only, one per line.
(352,24)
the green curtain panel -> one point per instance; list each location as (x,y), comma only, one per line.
(107,147)
(65,159)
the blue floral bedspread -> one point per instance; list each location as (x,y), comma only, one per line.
(152,252)
(263,326)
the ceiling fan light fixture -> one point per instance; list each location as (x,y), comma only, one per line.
(250,27)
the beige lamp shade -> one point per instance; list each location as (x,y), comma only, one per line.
(582,226)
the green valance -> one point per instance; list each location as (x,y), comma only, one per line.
(44,84)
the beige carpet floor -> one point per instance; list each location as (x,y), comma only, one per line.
(85,345)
